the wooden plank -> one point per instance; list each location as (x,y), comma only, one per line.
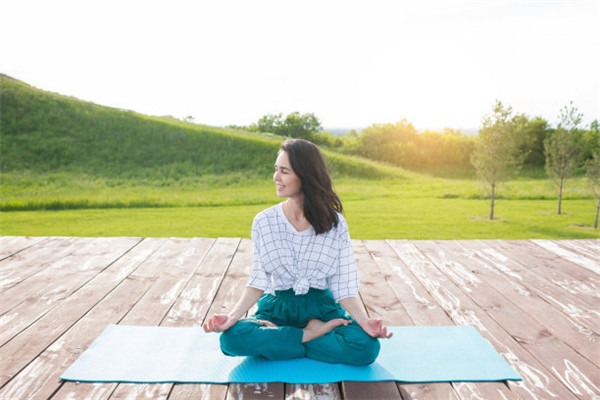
(75,268)
(198,392)
(39,379)
(158,301)
(421,309)
(234,281)
(10,245)
(173,252)
(529,332)
(303,391)
(228,294)
(141,391)
(23,348)
(379,298)
(538,381)
(255,391)
(528,296)
(225,296)
(153,307)
(577,294)
(376,390)
(33,259)
(424,310)
(410,294)
(192,306)
(520,321)
(572,256)
(586,248)
(380,302)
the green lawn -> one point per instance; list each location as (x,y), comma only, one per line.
(414,207)
(368,219)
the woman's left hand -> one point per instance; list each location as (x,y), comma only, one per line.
(374,327)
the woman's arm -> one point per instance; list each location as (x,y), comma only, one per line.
(373,326)
(222,322)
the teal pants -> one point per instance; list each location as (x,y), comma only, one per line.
(290,312)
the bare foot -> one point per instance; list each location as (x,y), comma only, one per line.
(317,328)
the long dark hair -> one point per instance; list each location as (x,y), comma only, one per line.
(321,203)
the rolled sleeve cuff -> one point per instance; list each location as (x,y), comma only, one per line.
(342,294)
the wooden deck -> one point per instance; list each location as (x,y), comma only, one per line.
(537,302)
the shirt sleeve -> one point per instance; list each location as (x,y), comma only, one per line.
(259,278)
(344,283)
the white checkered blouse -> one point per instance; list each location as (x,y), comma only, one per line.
(287,259)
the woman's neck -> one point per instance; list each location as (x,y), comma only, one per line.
(294,212)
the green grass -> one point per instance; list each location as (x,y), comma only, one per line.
(452,219)
(412,207)
(231,221)
(61,191)
(368,219)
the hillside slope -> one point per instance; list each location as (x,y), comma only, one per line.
(45,132)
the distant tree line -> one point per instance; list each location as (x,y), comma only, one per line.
(294,125)
(400,144)
(506,142)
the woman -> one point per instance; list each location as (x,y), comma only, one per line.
(303,276)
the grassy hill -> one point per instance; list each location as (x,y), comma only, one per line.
(45,132)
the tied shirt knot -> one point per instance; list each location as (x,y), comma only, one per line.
(301,286)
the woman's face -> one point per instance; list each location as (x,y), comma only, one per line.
(287,183)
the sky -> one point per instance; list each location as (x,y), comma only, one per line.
(352,63)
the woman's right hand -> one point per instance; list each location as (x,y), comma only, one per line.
(222,322)
(219,323)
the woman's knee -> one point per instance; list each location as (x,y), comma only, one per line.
(367,353)
(363,349)
(346,345)
(234,341)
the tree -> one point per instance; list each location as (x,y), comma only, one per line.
(269,123)
(391,143)
(298,125)
(591,139)
(533,131)
(497,154)
(563,149)
(592,168)
(295,125)
(402,145)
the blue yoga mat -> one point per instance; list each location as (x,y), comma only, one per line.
(163,354)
